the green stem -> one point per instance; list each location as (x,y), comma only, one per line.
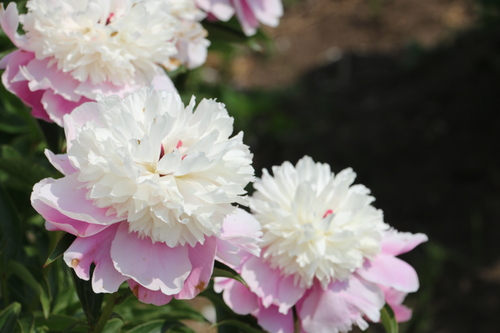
(106,312)
(296,321)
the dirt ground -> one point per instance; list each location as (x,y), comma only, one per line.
(317,32)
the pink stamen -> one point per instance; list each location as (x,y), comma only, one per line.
(108,21)
(328,212)
(162,151)
(179,144)
(183,157)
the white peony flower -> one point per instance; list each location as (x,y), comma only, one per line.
(170,171)
(315,224)
(102,40)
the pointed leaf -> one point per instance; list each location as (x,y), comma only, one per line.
(27,323)
(223,270)
(388,319)
(91,302)
(61,247)
(25,275)
(10,233)
(113,325)
(8,318)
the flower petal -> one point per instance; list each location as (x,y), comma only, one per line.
(69,197)
(396,243)
(153,265)
(270,286)
(390,271)
(239,231)
(60,162)
(56,220)
(273,321)
(95,249)
(238,297)
(202,259)
(147,296)
(9,20)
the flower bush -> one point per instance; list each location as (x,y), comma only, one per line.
(145,195)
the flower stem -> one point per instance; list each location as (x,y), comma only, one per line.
(296,321)
(106,312)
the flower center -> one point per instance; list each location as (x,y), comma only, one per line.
(316,227)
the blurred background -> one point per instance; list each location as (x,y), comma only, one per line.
(407,93)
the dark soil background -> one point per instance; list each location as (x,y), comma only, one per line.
(408,95)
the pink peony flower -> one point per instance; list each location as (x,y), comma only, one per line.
(148,189)
(250,13)
(326,251)
(73,51)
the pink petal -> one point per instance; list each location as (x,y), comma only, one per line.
(147,296)
(239,298)
(267,11)
(221,9)
(9,21)
(273,321)
(160,81)
(202,259)
(153,265)
(239,231)
(20,88)
(395,298)
(60,162)
(396,243)
(69,197)
(42,76)
(270,286)
(246,17)
(95,249)
(367,297)
(326,311)
(390,271)
(57,220)
(57,106)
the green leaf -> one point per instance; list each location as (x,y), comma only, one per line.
(10,232)
(113,325)
(91,302)
(222,270)
(25,275)
(161,326)
(8,318)
(388,319)
(241,325)
(27,323)
(62,323)
(61,247)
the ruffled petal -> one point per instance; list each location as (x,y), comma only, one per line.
(238,297)
(267,11)
(395,299)
(240,231)
(390,271)
(95,249)
(202,259)
(147,296)
(247,18)
(273,321)
(69,197)
(60,162)
(56,220)
(396,243)
(85,112)
(270,286)
(57,106)
(18,85)
(9,21)
(221,9)
(153,265)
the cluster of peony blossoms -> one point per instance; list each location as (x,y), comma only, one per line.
(148,189)
(326,251)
